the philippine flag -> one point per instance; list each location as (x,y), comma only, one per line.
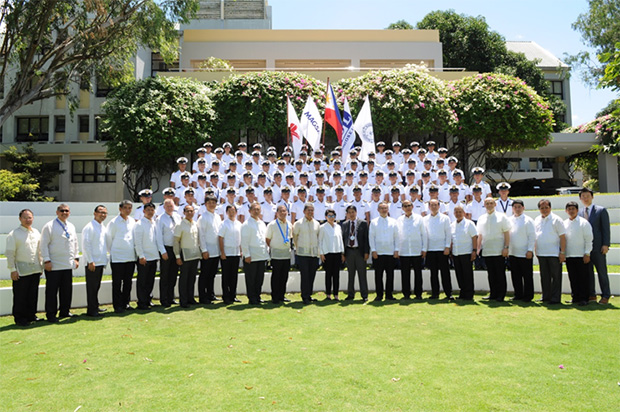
(332,114)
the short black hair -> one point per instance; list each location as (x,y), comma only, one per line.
(351,207)
(586,190)
(518,202)
(572,204)
(149,204)
(541,201)
(21,212)
(98,206)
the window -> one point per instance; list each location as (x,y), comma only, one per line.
(508,164)
(103,87)
(32,129)
(99,133)
(556,87)
(59,124)
(93,171)
(84,123)
(158,64)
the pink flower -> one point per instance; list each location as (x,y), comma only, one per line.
(422,105)
(561,366)
(169,121)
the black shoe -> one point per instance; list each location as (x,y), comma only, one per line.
(313,300)
(487,297)
(94,315)
(174,302)
(349,298)
(102,310)
(307,301)
(166,305)
(193,302)
(143,307)
(364,300)
(215,298)
(434,297)
(554,303)
(119,310)
(129,307)
(36,319)
(275,302)
(286,300)
(418,297)
(450,298)
(185,306)
(204,302)
(377,299)
(52,320)
(406,297)
(501,300)
(260,300)
(583,303)
(66,315)
(23,323)
(236,300)
(390,298)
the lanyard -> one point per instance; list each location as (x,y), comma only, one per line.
(285,239)
(504,208)
(64,227)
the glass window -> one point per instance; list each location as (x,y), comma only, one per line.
(93,171)
(32,129)
(59,124)
(84,123)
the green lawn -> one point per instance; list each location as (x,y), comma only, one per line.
(400,356)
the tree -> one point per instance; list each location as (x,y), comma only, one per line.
(408,101)
(30,176)
(467,41)
(151,121)
(16,187)
(497,113)
(256,102)
(49,44)
(600,30)
(213,64)
(400,25)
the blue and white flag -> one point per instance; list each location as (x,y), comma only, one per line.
(311,124)
(363,127)
(348,133)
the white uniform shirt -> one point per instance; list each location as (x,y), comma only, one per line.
(230,232)
(165,230)
(278,232)
(120,241)
(578,237)
(396,209)
(475,209)
(411,235)
(548,232)
(438,231)
(253,241)
(330,239)
(23,251)
(94,248)
(307,234)
(522,235)
(208,228)
(145,239)
(186,241)
(59,244)
(383,236)
(492,227)
(504,207)
(462,234)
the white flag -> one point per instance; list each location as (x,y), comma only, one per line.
(348,134)
(363,127)
(311,124)
(294,128)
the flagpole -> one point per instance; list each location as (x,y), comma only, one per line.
(324,115)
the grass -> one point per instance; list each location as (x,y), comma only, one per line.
(397,356)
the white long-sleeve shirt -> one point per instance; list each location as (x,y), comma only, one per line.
(145,239)
(253,240)
(230,232)
(23,251)
(578,237)
(522,235)
(330,239)
(462,234)
(94,248)
(165,230)
(208,228)
(492,227)
(438,231)
(59,244)
(383,236)
(412,235)
(548,232)
(120,239)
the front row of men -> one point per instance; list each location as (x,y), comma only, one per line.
(180,244)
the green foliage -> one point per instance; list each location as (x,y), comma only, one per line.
(400,25)
(500,113)
(467,41)
(600,30)
(17,186)
(257,101)
(49,44)
(611,107)
(151,122)
(213,64)
(607,130)
(402,100)
(30,175)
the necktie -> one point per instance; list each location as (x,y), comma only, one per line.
(352,234)
(586,214)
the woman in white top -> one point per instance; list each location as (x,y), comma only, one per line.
(230,252)
(331,250)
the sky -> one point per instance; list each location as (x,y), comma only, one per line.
(546,22)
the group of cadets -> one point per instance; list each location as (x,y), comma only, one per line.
(404,209)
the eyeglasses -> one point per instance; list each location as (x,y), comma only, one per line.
(64,210)
(407,205)
(331,216)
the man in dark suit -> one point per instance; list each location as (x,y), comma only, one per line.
(357,249)
(599,220)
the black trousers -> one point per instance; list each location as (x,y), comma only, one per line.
(145,283)
(406,264)
(579,279)
(551,278)
(522,274)
(206,279)
(463,266)
(356,264)
(25,297)
(230,274)
(384,263)
(254,277)
(307,270)
(58,284)
(437,262)
(93,283)
(279,277)
(169,270)
(496,271)
(122,275)
(332,273)
(187,282)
